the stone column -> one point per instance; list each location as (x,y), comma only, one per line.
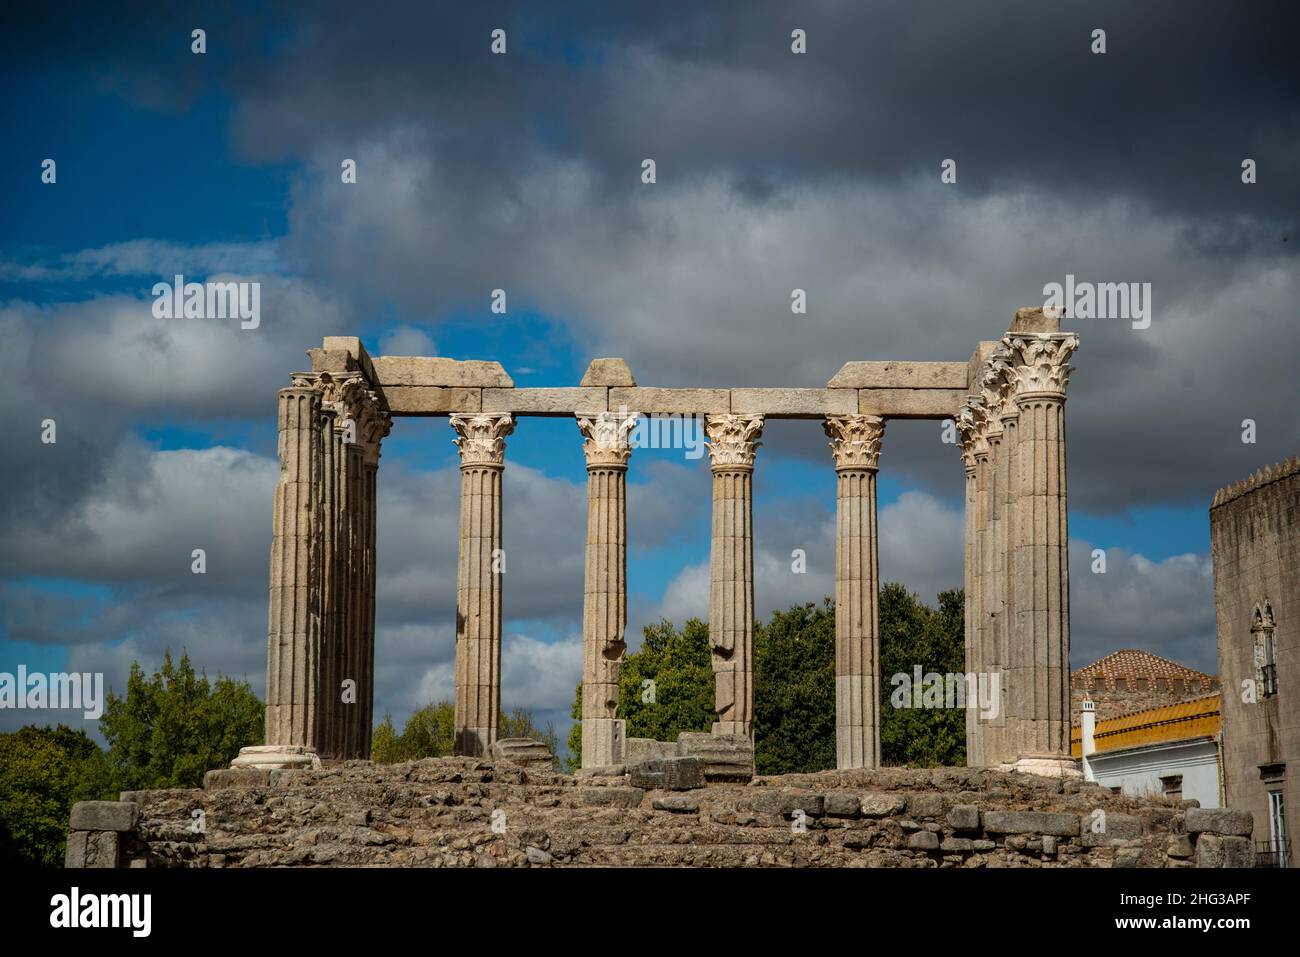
(352,556)
(855,443)
(972,423)
(376,425)
(991,716)
(293,665)
(604,605)
(478,591)
(731,569)
(1039,371)
(338,402)
(970,574)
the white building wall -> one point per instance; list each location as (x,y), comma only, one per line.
(1139,770)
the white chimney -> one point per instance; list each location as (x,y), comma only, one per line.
(1087,727)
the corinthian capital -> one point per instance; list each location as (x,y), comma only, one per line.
(342,394)
(482,437)
(607,438)
(997,389)
(855,440)
(972,424)
(732,439)
(1039,361)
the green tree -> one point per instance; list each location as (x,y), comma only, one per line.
(913,634)
(794,690)
(43,772)
(172,727)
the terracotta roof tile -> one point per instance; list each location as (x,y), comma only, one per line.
(1132,664)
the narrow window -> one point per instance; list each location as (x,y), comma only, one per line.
(1261,630)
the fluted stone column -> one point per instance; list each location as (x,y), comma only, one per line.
(293,666)
(732,447)
(376,425)
(604,605)
(1038,370)
(478,593)
(855,444)
(995,393)
(1002,728)
(972,424)
(338,397)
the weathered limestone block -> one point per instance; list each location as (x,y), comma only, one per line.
(104,815)
(923,841)
(353,347)
(277,757)
(1035,319)
(676,803)
(900,375)
(688,401)
(612,796)
(608,372)
(524,752)
(925,805)
(1215,850)
(1180,847)
(333,361)
(964,817)
(669,774)
(643,749)
(440,371)
(796,403)
(1031,822)
(602,771)
(432,400)
(557,401)
(723,757)
(959,845)
(1111,829)
(882,805)
(911,403)
(789,800)
(842,804)
(1226,821)
(96,849)
(229,778)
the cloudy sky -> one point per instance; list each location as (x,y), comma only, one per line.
(775,171)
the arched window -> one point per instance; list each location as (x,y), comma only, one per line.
(1261,629)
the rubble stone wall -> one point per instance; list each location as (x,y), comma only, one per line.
(468,812)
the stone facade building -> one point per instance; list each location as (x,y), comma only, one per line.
(1255,545)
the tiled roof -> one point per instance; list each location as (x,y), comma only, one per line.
(1131,665)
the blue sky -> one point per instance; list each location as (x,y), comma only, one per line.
(523,174)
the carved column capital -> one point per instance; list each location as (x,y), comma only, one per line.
(482,438)
(972,424)
(997,388)
(606,438)
(1039,362)
(733,438)
(855,440)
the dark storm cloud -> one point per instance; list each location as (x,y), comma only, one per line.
(1185,91)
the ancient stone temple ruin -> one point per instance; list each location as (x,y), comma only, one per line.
(1006,406)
